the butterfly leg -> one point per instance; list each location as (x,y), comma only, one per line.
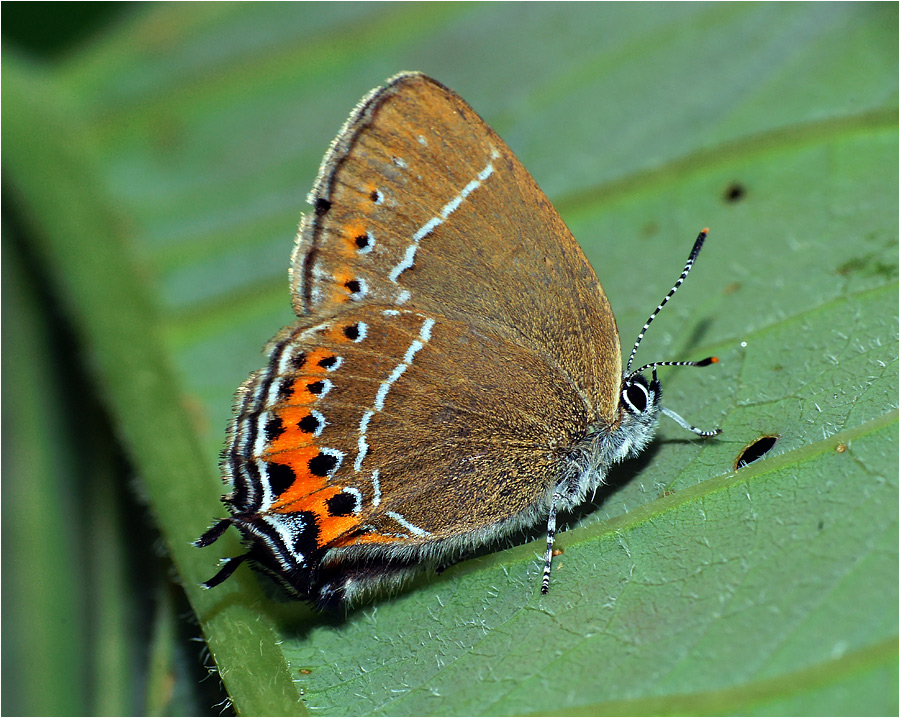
(551,533)
(228,567)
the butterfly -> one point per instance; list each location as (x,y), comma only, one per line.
(454,373)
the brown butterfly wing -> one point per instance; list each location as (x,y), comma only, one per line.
(453,345)
(419,204)
(376,433)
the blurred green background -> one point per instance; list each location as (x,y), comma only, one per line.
(156,161)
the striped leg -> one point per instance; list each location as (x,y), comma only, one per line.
(551,532)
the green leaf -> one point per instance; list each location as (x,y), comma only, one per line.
(163,170)
(42,576)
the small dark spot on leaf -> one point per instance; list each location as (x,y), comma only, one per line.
(755,451)
(734,192)
(869,265)
(851,265)
(650,229)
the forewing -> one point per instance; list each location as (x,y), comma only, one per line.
(420,205)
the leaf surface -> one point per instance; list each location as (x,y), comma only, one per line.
(164,169)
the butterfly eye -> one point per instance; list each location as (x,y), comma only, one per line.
(635,395)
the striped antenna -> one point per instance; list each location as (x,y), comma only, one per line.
(698,245)
(653,365)
(671,414)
